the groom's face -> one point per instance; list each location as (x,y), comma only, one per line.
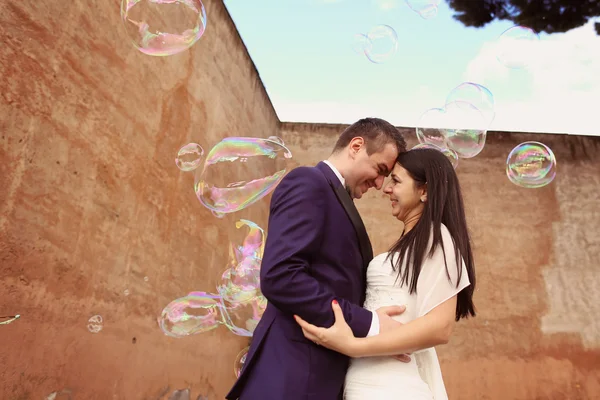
(369,171)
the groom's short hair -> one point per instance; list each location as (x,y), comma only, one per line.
(376,132)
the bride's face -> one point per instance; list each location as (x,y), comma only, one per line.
(406,197)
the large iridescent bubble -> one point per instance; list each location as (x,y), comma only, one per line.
(234,177)
(531,165)
(163,27)
(195,313)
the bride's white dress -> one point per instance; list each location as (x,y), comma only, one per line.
(420,379)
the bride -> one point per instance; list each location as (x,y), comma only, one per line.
(429,270)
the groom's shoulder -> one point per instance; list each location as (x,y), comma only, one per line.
(312,174)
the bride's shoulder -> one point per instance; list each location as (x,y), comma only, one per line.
(386,257)
(380,258)
(446,235)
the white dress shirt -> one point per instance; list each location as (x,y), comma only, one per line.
(374,329)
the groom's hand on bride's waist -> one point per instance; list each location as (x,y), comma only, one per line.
(386,323)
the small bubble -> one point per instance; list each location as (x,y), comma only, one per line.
(189,157)
(126,292)
(95,324)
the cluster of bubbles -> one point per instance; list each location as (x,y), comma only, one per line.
(237,172)
(238,303)
(459,128)
(163,27)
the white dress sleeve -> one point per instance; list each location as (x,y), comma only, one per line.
(434,288)
(433,285)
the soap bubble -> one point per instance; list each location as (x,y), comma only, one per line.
(476,95)
(239,362)
(432,126)
(468,129)
(163,27)
(517,47)
(189,157)
(383,41)
(277,139)
(449,153)
(218,214)
(242,317)
(95,324)
(531,165)
(241,280)
(425,8)
(195,313)
(243,303)
(361,44)
(240,171)
(459,126)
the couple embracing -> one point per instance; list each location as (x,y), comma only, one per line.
(340,323)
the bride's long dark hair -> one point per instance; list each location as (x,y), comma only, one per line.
(444,205)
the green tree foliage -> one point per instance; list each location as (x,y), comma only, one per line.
(550,16)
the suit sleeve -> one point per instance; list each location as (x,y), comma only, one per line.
(296,227)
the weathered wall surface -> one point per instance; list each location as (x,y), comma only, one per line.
(537,252)
(91,201)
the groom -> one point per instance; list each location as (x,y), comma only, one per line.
(317,250)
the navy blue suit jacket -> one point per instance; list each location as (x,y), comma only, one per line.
(317,250)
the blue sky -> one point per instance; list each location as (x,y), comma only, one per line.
(303,52)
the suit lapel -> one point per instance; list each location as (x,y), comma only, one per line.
(363,239)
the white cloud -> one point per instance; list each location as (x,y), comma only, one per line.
(559,91)
(387,4)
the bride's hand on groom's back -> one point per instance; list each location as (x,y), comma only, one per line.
(387,323)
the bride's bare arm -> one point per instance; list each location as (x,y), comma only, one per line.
(432,329)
